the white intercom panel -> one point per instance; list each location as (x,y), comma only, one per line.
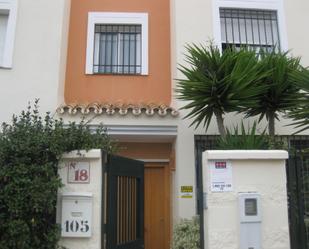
(76,217)
(250,220)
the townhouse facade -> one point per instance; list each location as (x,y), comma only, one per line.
(116,63)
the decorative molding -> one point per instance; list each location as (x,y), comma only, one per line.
(142,133)
(121,109)
(141,130)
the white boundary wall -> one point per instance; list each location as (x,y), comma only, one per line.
(94,187)
(262,172)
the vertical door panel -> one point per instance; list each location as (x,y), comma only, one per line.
(125,207)
(156,208)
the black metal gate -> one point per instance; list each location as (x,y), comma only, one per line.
(124,191)
(298,193)
(297,185)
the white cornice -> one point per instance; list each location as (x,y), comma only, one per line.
(246,154)
(141,130)
(141,133)
(94,153)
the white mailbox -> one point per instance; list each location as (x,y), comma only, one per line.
(250,220)
(76,217)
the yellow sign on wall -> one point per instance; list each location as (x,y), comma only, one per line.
(186,192)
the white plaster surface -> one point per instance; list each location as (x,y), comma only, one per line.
(38,57)
(264,176)
(94,187)
(39,72)
(247,154)
(193,22)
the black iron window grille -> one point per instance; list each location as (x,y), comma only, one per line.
(117,49)
(255,29)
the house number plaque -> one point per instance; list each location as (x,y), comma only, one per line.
(78,172)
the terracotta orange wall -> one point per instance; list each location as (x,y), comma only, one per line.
(152,88)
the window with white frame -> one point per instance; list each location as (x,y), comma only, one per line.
(117,43)
(256,29)
(257,24)
(117,49)
(8,9)
(4,17)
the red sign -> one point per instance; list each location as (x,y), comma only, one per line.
(220,165)
(78,172)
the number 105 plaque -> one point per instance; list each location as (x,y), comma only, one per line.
(76,218)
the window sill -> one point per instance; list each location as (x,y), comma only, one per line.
(5,67)
(115,74)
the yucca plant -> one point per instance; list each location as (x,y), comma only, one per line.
(217,83)
(244,139)
(300,113)
(281,93)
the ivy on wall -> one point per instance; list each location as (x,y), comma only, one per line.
(30,149)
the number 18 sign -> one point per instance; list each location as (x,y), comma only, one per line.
(78,172)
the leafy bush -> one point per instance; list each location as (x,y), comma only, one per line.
(186,234)
(30,149)
(246,140)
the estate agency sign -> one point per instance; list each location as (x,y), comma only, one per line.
(221,178)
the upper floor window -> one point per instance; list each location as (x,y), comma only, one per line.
(255,24)
(8,14)
(256,29)
(117,43)
(4,17)
(117,49)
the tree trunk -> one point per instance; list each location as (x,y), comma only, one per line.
(271,125)
(220,123)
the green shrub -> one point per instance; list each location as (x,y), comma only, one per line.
(30,149)
(245,140)
(186,234)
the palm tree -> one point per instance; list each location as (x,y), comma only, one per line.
(217,83)
(281,93)
(300,114)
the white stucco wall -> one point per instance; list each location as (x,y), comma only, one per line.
(38,57)
(193,22)
(261,174)
(94,187)
(39,70)
(296,22)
